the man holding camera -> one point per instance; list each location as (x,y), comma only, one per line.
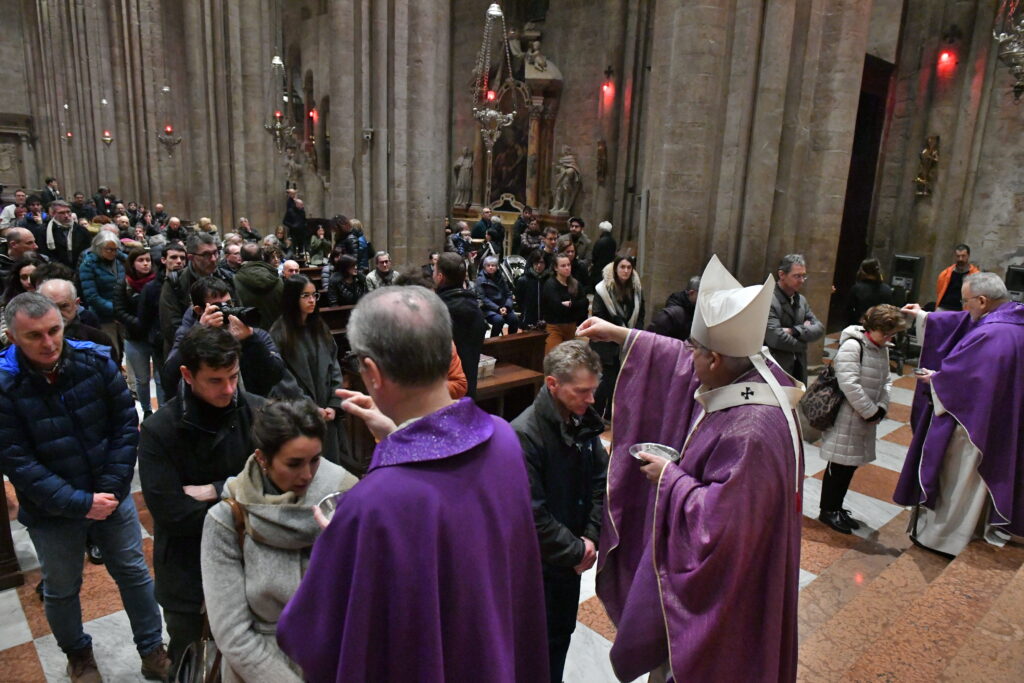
(174,295)
(187,449)
(261,364)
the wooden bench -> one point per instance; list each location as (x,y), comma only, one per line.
(525,349)
(518,373)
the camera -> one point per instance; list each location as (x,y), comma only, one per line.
(249,315)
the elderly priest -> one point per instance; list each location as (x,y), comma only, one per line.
(700,572)
(964,471)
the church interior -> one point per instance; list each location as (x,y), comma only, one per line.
(748,129)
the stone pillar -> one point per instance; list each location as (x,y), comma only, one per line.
(532,157)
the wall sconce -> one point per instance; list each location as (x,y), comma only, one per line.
(107,138)
(168,139)
(68,136)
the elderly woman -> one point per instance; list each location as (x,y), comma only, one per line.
(496,298)
(101,272)
(862,368)
(249,577)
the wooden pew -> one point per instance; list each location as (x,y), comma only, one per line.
(518,374)
(525,349)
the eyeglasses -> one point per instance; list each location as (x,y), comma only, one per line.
(963,302)
(350,362)
(310,295)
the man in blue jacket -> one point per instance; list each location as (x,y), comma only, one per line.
(68,433)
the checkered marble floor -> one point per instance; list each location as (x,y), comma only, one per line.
(832,565)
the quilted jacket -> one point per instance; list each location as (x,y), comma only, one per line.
(99,282)
(865,382)
(62,442)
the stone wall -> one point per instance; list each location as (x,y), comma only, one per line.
(978,194)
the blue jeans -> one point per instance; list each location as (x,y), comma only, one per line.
(138,354)
(60,545)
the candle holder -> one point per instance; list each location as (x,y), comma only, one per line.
(168,139)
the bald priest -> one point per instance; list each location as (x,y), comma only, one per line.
(700,571)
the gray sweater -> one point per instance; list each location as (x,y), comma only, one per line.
(244,601)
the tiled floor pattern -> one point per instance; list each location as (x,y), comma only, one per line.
(873,607)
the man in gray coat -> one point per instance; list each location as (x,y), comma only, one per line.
(791,323)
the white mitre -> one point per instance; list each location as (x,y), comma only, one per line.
(730,318)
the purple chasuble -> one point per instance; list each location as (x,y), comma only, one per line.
(430,568)
(979,377)
(702,570)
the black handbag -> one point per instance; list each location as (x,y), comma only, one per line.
(821,402)
(201,661)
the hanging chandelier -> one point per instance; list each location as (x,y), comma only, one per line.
(279,127)
(1009,33)
(488,94)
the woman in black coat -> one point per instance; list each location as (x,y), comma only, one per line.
(311,362)
(128,313)
(347,285)
(868,291)
(563,303)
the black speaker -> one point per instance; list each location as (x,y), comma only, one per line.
(906,275)
(1015,282)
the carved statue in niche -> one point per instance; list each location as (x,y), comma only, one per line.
(566,183)
(926,172)
(463,169)
(534,57)
(293,167)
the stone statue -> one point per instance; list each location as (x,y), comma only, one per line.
(929,160)
(463,169)
(534,57)
(566,183)
(292,166)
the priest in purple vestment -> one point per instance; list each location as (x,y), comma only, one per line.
(700,571)
(430,568)
(964,470)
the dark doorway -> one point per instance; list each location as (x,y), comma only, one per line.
(860,185)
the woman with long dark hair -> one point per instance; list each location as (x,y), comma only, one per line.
(311,359)
(347,285)
(619,299)
(563,303)
(248,585)
(138,272)
(19,279)
(869,290)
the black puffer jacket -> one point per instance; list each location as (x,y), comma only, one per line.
(60,443)
(567,465)
(468,329)
(184,444)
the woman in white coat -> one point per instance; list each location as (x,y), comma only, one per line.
(862,368)
(247,587)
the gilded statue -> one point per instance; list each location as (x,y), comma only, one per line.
(463,169)
(926,173)
(566,183)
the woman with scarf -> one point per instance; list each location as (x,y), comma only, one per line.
(138,272)
(311,360)
(248,578)
(101,273)
(619,299)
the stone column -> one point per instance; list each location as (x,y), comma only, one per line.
(533,151)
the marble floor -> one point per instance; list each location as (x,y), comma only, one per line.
(840,577)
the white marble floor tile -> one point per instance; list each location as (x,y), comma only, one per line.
(890,455)
(13,626)
(887,426)
(812,460)
(23,547)
(805,578)
(904,396)
(588,588)
(112,644)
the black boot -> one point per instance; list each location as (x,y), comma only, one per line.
(835,520)
(850,521)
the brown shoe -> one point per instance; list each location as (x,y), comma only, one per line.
(156,665)
(82,667)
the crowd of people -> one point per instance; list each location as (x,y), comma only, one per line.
(456,550)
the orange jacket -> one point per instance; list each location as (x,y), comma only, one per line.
(940,286)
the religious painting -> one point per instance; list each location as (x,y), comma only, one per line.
(509,170)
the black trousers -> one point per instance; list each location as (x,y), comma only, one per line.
(183,628)
(834,486)
(561,603)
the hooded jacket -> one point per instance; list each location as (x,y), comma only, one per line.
(468,329)
(258,284)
